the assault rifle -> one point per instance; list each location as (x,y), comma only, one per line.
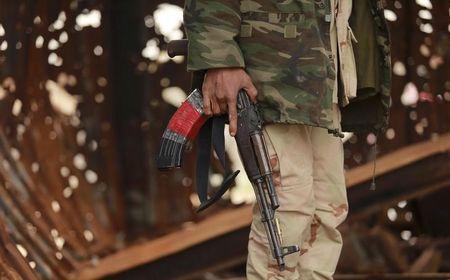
(184,127)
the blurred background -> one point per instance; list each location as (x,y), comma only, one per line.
(86,89)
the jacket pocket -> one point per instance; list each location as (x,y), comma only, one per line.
(275,24)
(285,48)
(278,6)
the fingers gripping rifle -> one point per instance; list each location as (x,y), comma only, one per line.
(184,127)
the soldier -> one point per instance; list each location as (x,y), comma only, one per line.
(316,68)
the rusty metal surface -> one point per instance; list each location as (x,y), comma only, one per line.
(81,113)
(85,90)
(58,182)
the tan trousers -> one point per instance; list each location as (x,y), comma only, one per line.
(308,172)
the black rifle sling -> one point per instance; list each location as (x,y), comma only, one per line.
(212,132)
(203,158)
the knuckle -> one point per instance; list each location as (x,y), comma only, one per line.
(232,112)
(223,105)
(231,96)
(215,106)
(220,96)
(207,109)
(206,87)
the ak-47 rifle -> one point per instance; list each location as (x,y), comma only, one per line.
(184,127)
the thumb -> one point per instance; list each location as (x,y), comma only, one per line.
(250,88)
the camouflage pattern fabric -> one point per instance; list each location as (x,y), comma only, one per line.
(384,46)
(285,48)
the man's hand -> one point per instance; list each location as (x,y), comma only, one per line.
(220,89)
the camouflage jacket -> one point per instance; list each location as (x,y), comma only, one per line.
(284,45)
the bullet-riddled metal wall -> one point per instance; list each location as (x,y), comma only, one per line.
(81,115)
(85,91)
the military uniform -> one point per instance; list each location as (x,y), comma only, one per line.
(319,66)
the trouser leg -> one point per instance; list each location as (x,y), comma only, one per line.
(291,159)
(321,251)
